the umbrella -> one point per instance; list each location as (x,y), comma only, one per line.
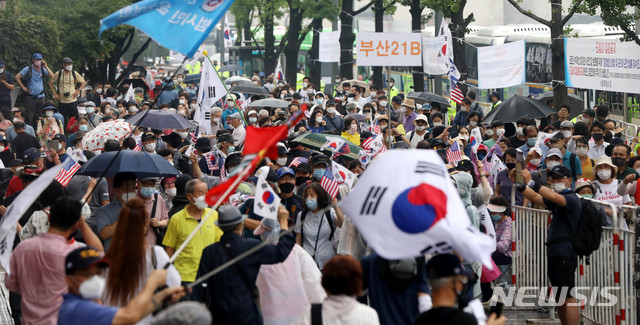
(160,120)
(249,89)
(356,82)
(422,97)
(316,140)
(136,83)
(231,67)
(238,80)
(360,118)
(192,79)
(516,107)
(94,140)
(142,164)
(270,102)
(576,104)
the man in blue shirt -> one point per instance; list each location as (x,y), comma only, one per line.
(31,80)
(85,268)
(531,132)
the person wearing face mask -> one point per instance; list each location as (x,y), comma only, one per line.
(319,164)
(463,117)
(566,209)
(156,210)
(569,159)
(531,133)
(504,183)
(320,99)
(316,122)
(17,117)
(49,125)
(85,280)
(606,186)
(587,164)
(239,133)
(252,118)
(230,108)
(6,155)
(93,115)
(132,109)
(421,124)
(351,131)
(334,122)
(620,154)
(182,224)
(73,125)
(31,80)
(291,201)
(552,159)
(597,145)
(149,142)
(534,160)
(316,236)
(502,255)
(57,151)
(39,262)
(519,139)
(105,220)
(629,184)
(65,86)
(495,132)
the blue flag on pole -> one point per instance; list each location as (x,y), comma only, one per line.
(179,25)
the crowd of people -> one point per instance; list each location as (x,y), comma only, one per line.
(95,250)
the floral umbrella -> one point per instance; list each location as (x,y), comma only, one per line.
(94,140)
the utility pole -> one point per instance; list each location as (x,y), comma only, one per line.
(437,80)
(334,65)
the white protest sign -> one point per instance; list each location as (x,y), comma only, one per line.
(602,64)
(389,49)
(329,47)
(430,48)
(501,65)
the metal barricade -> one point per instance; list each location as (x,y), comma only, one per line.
(610,271)
(630,131)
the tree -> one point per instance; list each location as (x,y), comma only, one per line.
(614,13)
(454,9)
(416,8)
(347,37)
(380,8)
(556,25)
(321,10)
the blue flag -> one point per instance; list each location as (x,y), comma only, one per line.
(179,25)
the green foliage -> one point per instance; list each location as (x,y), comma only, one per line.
(448,7)
(616,13)
(23,35)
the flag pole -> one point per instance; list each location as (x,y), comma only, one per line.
(227,89)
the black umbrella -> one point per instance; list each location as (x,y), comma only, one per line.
(231,67)
(136,83)
(516,107)
(192,79)
(422,97)
(250,89)
(575,103)
(140,163)
(160,120)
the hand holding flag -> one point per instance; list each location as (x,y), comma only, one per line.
(266,201)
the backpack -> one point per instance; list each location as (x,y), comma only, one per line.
(75,81)
(327,215)
(588,234)
(30,74)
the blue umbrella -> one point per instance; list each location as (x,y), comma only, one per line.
(140,163)
(160,120)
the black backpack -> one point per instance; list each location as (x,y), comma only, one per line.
(327,215)
(588,234)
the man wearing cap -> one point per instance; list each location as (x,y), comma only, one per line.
(85,268)
(33,86)
(410,115)
(183,223)
(6,87)
(239,132)
(291,201)
(230,109)
(67,88)
(495,100)
(561,257)
(22,141)
(149,142)
(319,164)
(57,151)
(231,294)
(419,133)
(37,267)
(448,280)
(569,159)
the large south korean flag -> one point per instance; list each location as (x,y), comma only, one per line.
(405,205)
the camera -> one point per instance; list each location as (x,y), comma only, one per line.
(67,94)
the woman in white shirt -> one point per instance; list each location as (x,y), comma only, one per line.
(607,186)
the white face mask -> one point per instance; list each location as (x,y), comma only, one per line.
(489,132)
(383,103)
(420,127)
(581,152)
(281,161)
(48,113)
(465,137)
(182,102)
(519,131)
(133,110)
(535,162)
(331,110)
(551,164)
(183,135)
(253,119)
(350,100)
(558,187)
(604,174)
(353,128)
(150,147)
(319,119)
(567,134)
(1,70)
(92,288)
(128,196)
(305,85)
(69,67)
(182,113)
(473,123)
(179,79)
(99,90)
(500,132)
(216,119)
(200,203)
(89,109)
(437,124)
(171,192)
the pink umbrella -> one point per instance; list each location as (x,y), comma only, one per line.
(94,140)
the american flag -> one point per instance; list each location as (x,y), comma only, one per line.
(342,150)
(195,135)
(70,167)
(456,95)
(376,127)
(453,153)
(297,161)
(138,147)
(329,184)
(374,144)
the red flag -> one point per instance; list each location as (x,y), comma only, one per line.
(259,139)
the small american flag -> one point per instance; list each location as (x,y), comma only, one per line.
(376,127)
(138,147)
(342,150)
(329,184)
(195,135)
(70,167)
(297,161)
(453,153)
(456,95)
